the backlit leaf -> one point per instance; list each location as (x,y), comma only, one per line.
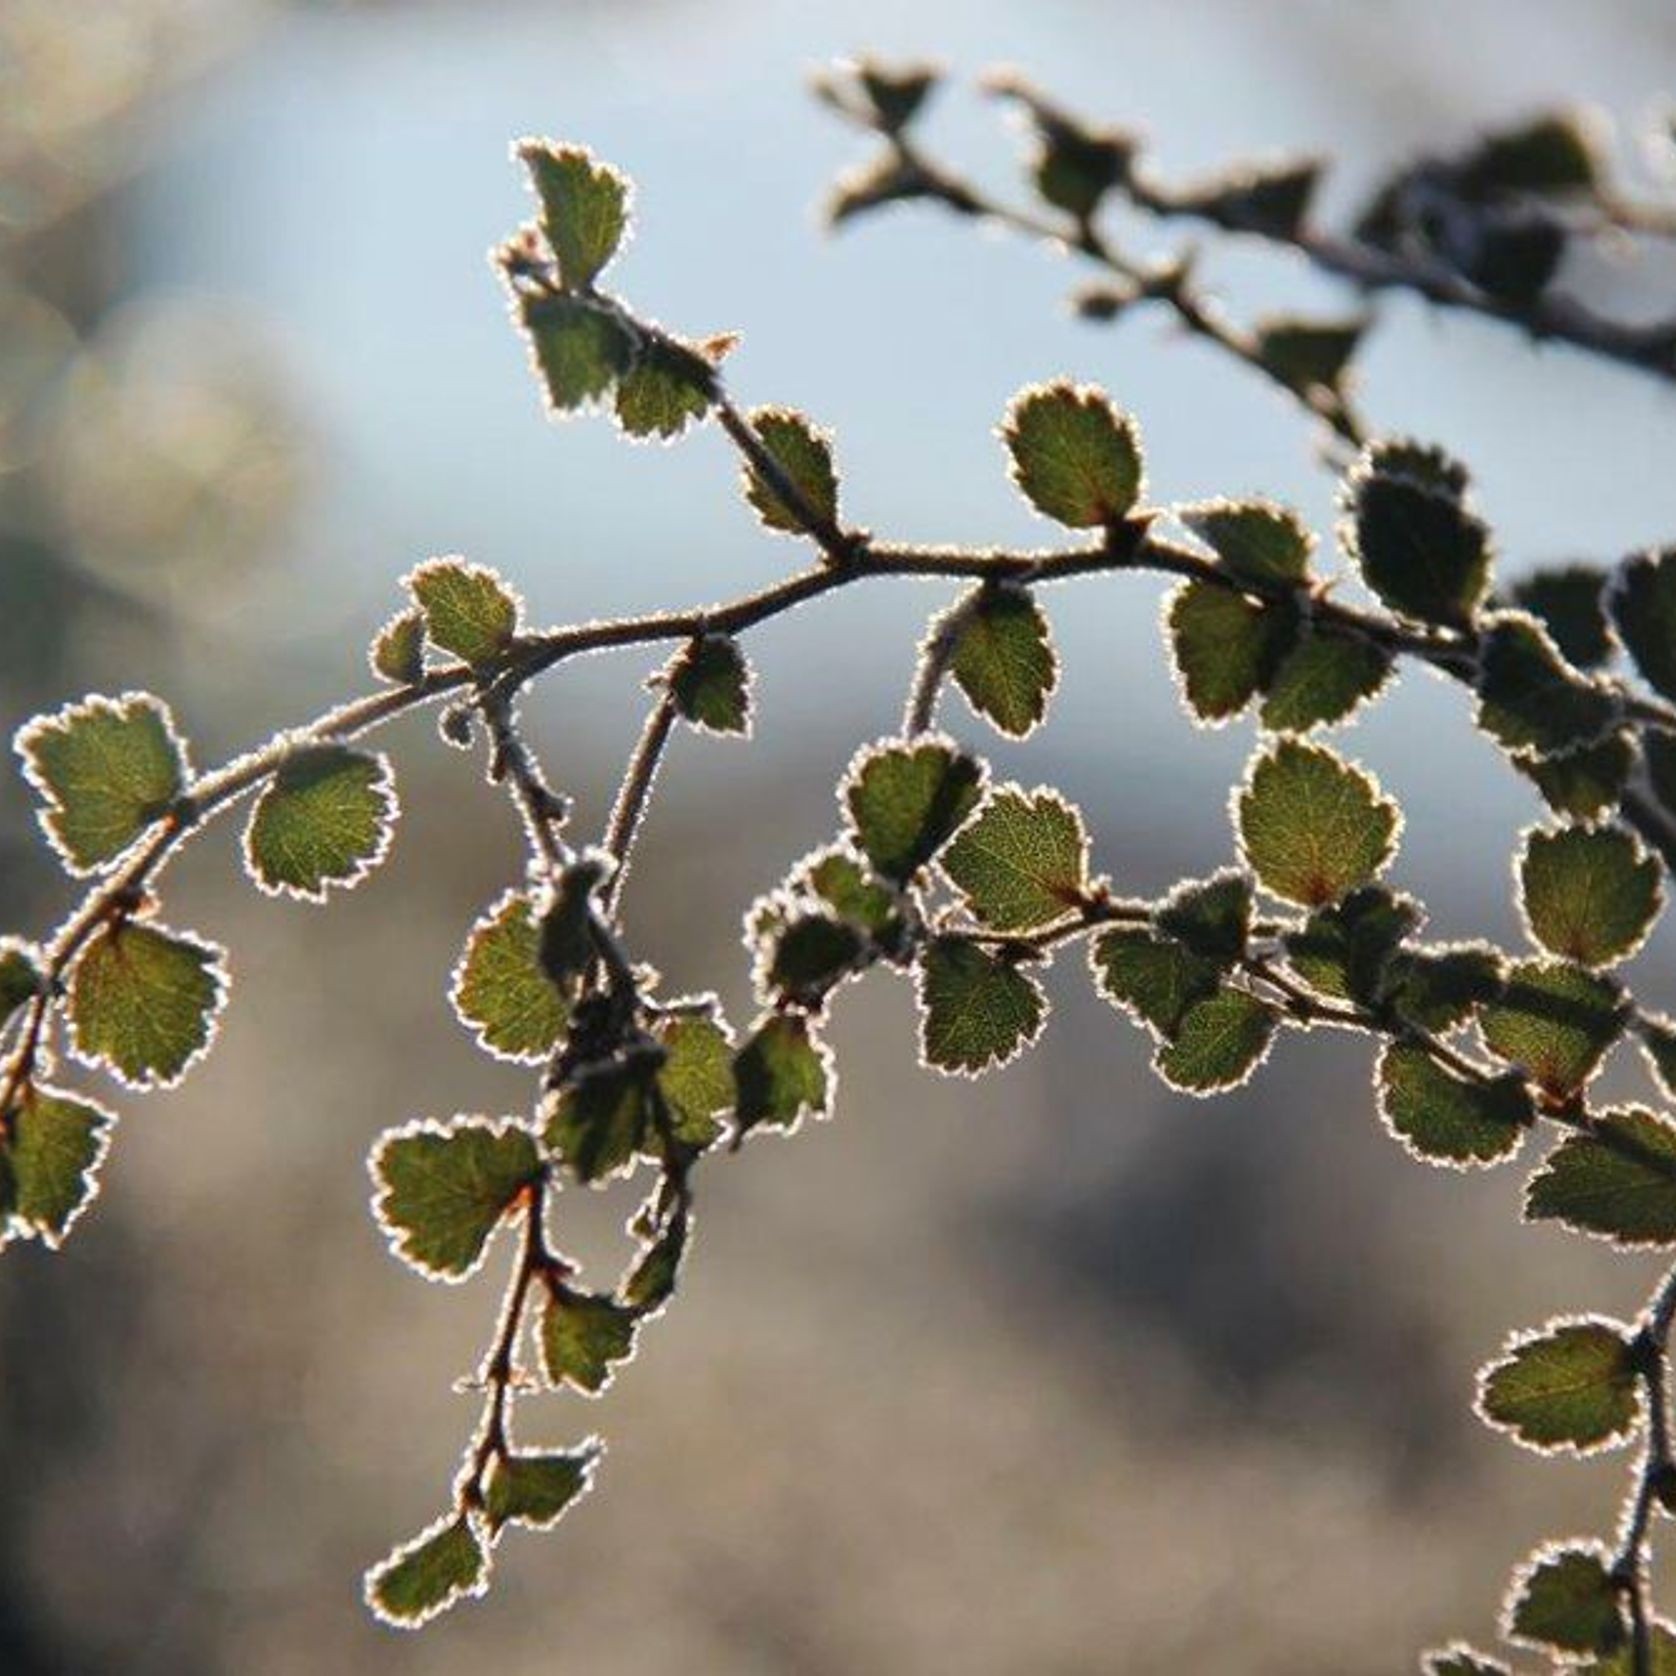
(468,609)
(443,1564)
(669,385)
(696,1077)
(1569,601)
(1219,1042)
(804,456)
(780,1075)
(1021,861)
(906,799)
(977,1009)
(601,1119)
(1528,699)
(1256,541)
(1004,660)
(1618,1180)
(1421,552)
(1589,894)
(326,819)
(1571,1386)
(1322,680)
(499,988)
(1155,979)
(1225,647)
(51,1145)
(579,348)
(1564,1597)
(584,208)
(1553,1020)
(711,685)
(1446,1119)
(1643,601)
(1584,783)
(583,1337)
(398,654)
(1074,456)
(538,1490)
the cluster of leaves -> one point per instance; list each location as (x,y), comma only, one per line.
(968,885)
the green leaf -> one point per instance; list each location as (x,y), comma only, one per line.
(669,385)
(696,1076)
(326,819)
(1311,826)
(1256,541)
(1003,659)
(468,609)
(1322,680)
(1458,1659)
(1076,459)
(1589,894)
(1225,647)
(842,882)
(1420,463)
(1212,919)
(710,683)
(398,654)
(1659,748)
(780,1074)
(1219,1042)
(1571,1385)
(1617,1180)
(600,1119)
(1643,601)
(51,1146)
(1346,948)
(582,1336)
(1268,198)
(651,1283)
(1528,699)
(445,1563)
(1154,979)
(107,768)
(1444,1119)
(21,976)
(1022,860)
(906,799)
(143,1002)
(1564,1597)
(1622,1662)
(810,955)
(444,1188)
(1569,601)
(538,1490)
(580,349)
(499,989)
(1439,989)
(584,208)
(1306,353)
(1552,154)
(804,456)
(977,1009)
(564,944)
(1584,783)
(1555,1021)
(1421,552)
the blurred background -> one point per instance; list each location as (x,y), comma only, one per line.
(1052,1374)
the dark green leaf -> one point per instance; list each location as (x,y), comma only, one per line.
(1446,1119)
(842,881)
(711,685)
(1589,894)
(651,1282)
(1569,601)
(811,954)
(1622,1662)
(51,1145)
(442,1565)
(1657,1036)
(669,385)
(326,819)
(106,768)
(1438,989)
(564,945)
(1584,783)
(1219,1042)
(907,799)
(1225,647)
(1552,154)
(1322,680)
(1022,860)
(1571,1385)
(1457,1659)
(1420,463)
(1003,660)
(1564,1597)
(804,456)
(780,1074)
(1268,198)
(143,1002)
(580,348)
(1617,1180)
(1212,919)
(1256,541)
(20,975)
(1643,601)
(582,1336)
(1305,353)
(398,654)
(468,609)
(1555,1021)
(584,208)
(1659,748)
(600,1119)
(499,989)
(1311,826)
(1528,699)
(895,91)
(1421,552)
(1346,948)
(538,1490)
(443,1189)
(977,1009)
(1074,456)
(1154,979)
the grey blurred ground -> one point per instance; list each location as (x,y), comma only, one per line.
(1051,1374)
